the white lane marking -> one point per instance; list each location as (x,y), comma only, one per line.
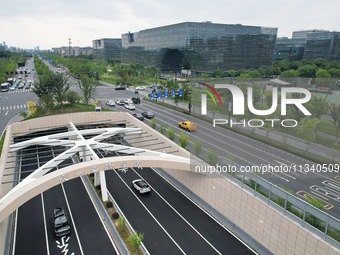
(74,226)
(6,113)
(181,216)
(203,210)
(45,226)
(318,194)
(326,192)
(331,184)
(99,216)
(159,224)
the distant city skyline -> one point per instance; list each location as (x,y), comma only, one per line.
(30,24)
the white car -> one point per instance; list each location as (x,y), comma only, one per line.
(140,88)
(130,106)
(120,102)
(128,101)
(110,103)
(141,186)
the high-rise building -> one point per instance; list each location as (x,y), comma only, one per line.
(323,45)
(302,34)
(289,49)
(320,44)
(107,48)
(204,46)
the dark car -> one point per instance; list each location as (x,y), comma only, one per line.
(120,88)
(148,114)
(136,100)
(60,222)
(138,116)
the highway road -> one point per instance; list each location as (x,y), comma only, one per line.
(14,102)
(171,223)
(246,152)
(34,230)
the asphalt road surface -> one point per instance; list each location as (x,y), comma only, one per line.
(246,152)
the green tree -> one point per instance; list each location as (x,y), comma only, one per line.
(289,74)
(197,148)
(45,102)
(183,139)
(162,129)
(307,71)
(322,73)
(218,73)
(43,86)
(334,112)
(307,129)
(171,134)
(72,97)
(153,123)
(212,157)
(60,87)
(318,106)
(88,87)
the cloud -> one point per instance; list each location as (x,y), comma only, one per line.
(28,24)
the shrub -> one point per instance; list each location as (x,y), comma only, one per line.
(98,187)
(115,215)
(153,123)
(162,129)
(183,139)
(212,157)
(121,224)
(109,204)
(197,147)
(171,134)
(136,239)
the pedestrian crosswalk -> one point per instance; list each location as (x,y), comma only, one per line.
(15,91)
(12,107)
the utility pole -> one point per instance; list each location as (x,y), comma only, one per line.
(69,46)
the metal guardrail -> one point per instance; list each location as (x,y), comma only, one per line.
(291,206)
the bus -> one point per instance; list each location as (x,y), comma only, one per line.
(5,87)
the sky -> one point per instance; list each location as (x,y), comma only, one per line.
(28,24)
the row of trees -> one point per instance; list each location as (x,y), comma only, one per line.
(55,88)
(8,64)
(316,68)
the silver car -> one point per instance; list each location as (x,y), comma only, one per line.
(141,186)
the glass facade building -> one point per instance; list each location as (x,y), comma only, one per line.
(323,45)
(289,49)
(202,46)
(107,48)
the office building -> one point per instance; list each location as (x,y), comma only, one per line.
(289,49)
(200,46)
(107,48)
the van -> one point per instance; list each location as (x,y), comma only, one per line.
(187,125)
